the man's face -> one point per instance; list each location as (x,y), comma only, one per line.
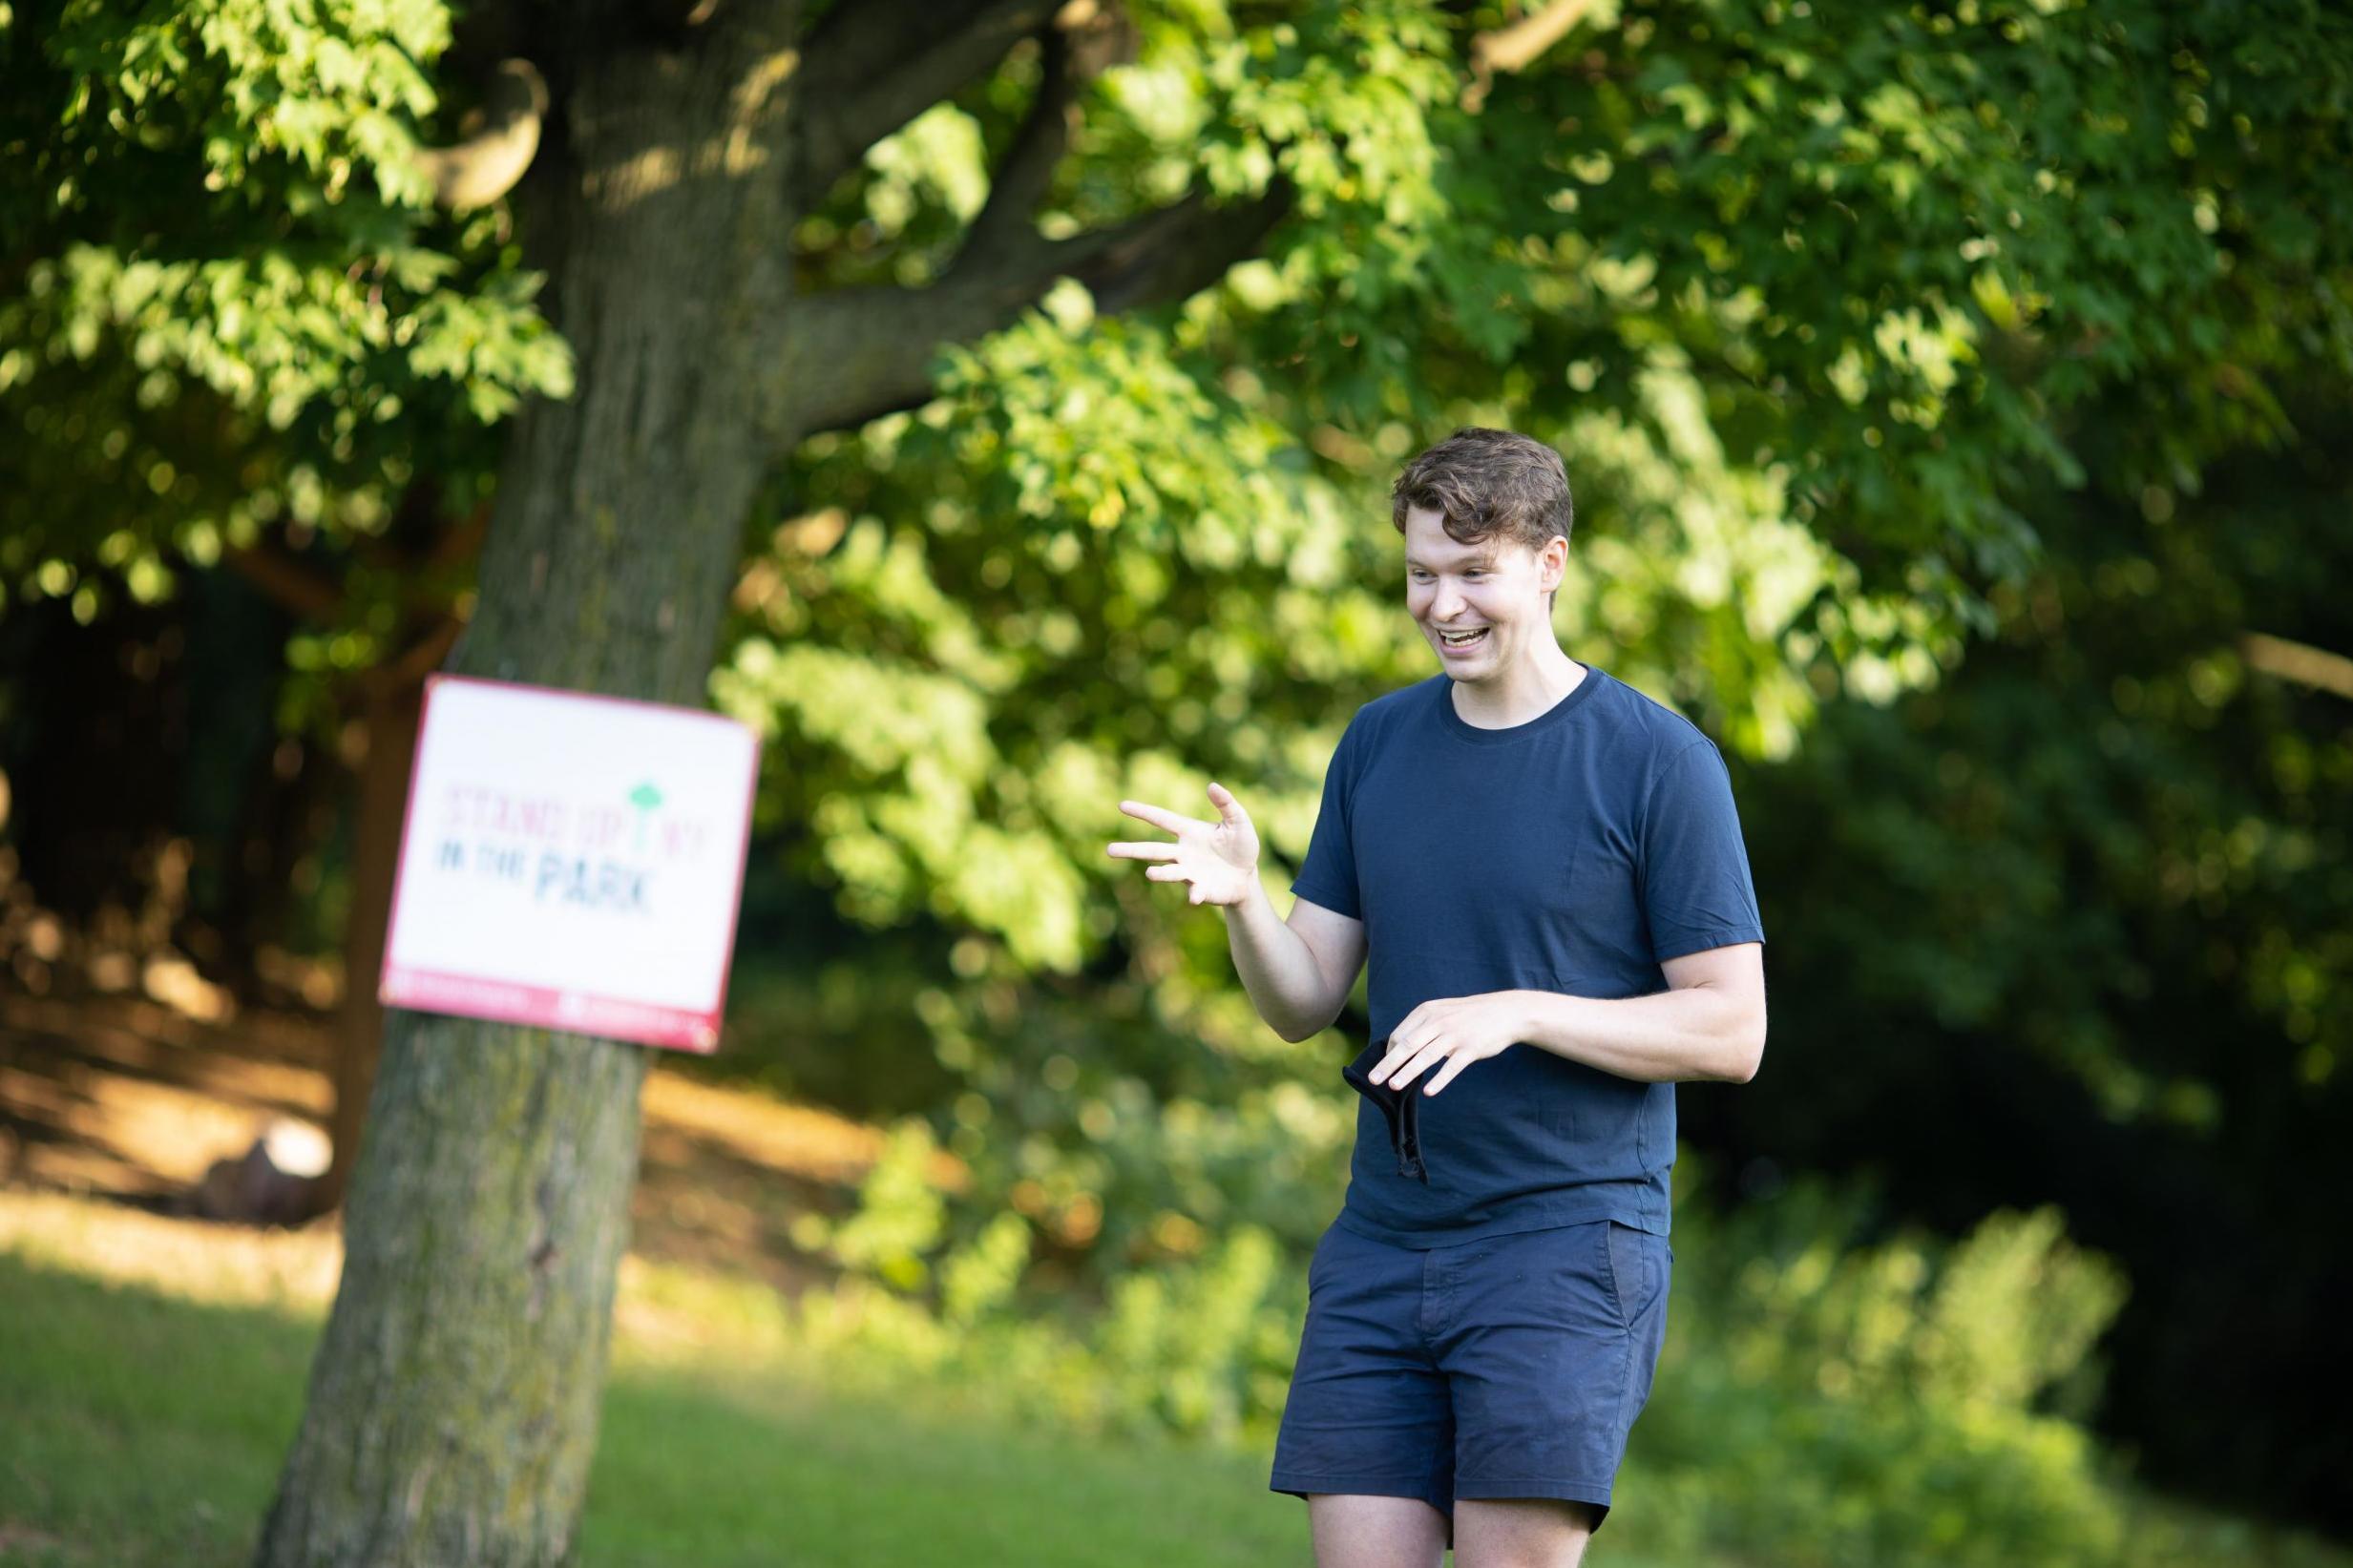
(1493,590)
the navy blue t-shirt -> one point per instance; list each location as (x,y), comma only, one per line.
(1571,854)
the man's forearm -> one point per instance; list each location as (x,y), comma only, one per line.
(1276,968)
(1693,1032)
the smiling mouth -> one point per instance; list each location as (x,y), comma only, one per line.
(1462,639)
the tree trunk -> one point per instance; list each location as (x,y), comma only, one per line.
(453,1402)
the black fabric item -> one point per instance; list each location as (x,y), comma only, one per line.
(1402,1108)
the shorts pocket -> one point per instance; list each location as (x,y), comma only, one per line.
(1634,1264)
(1315,1259)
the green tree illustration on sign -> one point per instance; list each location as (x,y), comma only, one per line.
(646,797)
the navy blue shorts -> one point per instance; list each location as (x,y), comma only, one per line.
(1511,1366)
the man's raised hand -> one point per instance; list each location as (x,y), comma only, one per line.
(1219,859)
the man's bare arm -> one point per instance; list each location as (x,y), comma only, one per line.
(1708,1024)
(1299,974)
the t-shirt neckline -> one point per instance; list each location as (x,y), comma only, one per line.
(1594,675)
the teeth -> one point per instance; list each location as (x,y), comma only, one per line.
(1460,637)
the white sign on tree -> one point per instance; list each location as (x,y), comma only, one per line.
(570,861)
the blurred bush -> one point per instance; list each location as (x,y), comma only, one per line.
(1198,1344)
(1826,1398)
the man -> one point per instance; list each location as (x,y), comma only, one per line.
(1546,869)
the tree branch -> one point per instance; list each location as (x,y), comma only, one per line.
(1514,48)
(286,583)
(499,140)
(1021,178)
(302,591)
(1178,251)
(405,671)
(2298,661)
(1084,40)
(872,67)
(862,353)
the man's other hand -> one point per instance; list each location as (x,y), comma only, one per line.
(1218,860)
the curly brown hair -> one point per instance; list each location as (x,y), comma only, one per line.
(1485,482)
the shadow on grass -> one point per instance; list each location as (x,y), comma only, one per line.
(138,1428)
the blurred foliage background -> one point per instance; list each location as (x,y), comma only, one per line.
(1955,396)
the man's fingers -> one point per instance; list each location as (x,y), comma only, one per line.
(1144,851)
(1165,873)
(1227,808)
(1158,817)
(1392,1068)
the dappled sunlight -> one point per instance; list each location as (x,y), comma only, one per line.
(664,1313)
(128,1098)
(121,1099)
(796,1140)
(187,1259)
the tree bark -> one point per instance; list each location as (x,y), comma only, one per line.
(452,1405)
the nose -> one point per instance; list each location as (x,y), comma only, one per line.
(1447,604)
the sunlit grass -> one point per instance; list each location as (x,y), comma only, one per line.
(153,1371)
(151,1375)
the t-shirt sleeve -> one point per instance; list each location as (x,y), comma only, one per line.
(1696,891)
(1328,876)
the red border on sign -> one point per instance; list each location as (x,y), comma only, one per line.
(544,1007)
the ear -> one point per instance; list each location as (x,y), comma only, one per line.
(1552,562)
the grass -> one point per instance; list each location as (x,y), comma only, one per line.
(141,1426)
(151,1375)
